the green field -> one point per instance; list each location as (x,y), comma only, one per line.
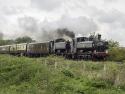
(55,75)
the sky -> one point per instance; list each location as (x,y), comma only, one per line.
(35,17)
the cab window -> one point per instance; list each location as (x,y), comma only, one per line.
(81,39)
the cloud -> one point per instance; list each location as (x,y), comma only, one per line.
(47,5)
(35,17)
(82,25)
(28,24)
(112,24)
(110,1)
(112,17)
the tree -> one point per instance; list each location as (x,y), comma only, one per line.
(115,52)
(24,39)
(6,42)
(113,44)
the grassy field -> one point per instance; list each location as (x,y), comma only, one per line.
(55,75)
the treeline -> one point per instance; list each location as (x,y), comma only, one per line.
(116,53)
(24,39)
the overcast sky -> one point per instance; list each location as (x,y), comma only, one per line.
(33,17)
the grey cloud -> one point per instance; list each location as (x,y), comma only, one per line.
(114,21)
(112,16)
(11,10)
(28,24)
(110,1)
(46,5)
(80,25)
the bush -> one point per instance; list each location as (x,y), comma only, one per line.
(117,54)
(68,73)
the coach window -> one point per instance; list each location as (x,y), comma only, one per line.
(81,39)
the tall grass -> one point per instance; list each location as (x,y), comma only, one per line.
(55,75)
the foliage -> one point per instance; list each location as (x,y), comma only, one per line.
(6,42)
(117,54)
(24,39)
(113,44)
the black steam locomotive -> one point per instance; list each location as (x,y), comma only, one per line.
(92,47)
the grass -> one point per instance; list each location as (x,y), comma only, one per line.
(55,75)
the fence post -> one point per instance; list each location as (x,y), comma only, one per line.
(55,65)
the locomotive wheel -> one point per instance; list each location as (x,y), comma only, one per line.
(74,56)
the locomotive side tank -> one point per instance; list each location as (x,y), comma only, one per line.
(81,47)
(83,42)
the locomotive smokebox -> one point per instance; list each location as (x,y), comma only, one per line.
(99,36)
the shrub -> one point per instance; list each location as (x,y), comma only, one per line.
(117,54)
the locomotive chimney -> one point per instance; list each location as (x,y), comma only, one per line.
(99,36)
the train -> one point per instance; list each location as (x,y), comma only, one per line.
(92,47)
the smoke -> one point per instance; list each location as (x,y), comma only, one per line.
(55,34)
(67,26)
(46,30)
(46,35)
(66,32)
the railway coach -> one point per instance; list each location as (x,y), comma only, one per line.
(38,49)
(5,49)
(18,49)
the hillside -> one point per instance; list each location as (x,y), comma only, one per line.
(55,75)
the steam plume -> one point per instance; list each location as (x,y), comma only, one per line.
(45,30)
(66,32)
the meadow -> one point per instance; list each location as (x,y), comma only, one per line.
(57,75)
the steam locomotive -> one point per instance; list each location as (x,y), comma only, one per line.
(92,47)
